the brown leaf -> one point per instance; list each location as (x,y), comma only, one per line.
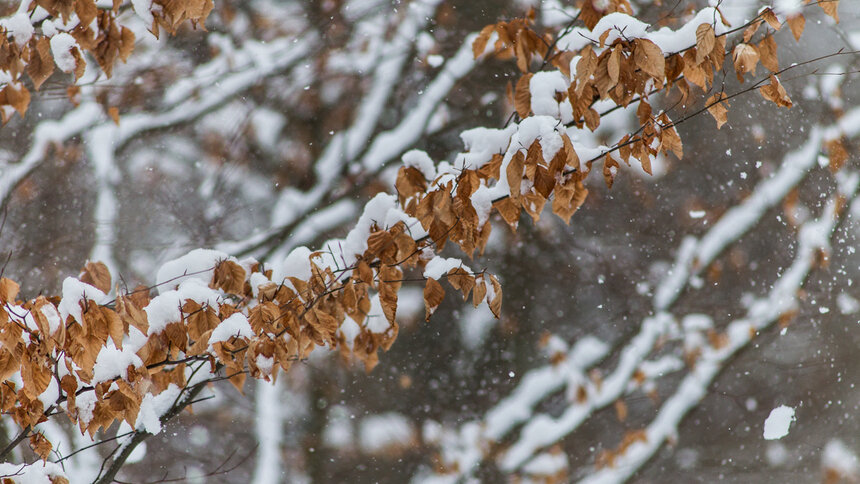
(113,112)
(717,107)
(767,52)
(669,138)
(569,196)
(797,24)
(480,43)
(585,68)
(610,168)
(705,39)
(649,58)
(410,181)
(769,17)
(522,96)
(433,295)
(751,30)
(41,64)
(746,58)
(17,97)
(229,277)
(480,291)
(775,93)
(35,376)
(389,283)
(237,379)
(461,280)
(830,7)
(96,274)
(40,445)
(495,300)
(509,211)
(514,174)
(693,72)
(614,65)
(132,313)
(86,10)
(126,43)
(8,290)
(80,63)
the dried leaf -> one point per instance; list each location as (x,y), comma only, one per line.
(797,24)
(237,379)
(433,295)
(41,64)
(649,58)
(769,17)
(717,107)
(830,7)
(614,64)
(17,97)
(522,96)
(569,196)
(610,168)
(514,174)
(229,277)
(86,10)
(113,112)
(96,274)
(35,376)
(767,52)
(775,93)
(494,298)
(746,58)
(40,445)
(705,40)
(8,290)
(480,43)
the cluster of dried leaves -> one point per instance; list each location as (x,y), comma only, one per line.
(96,31)
(289,321)
(632,70)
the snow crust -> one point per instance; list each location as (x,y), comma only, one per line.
(543,87)
(74,292)
(153,407)
(235,325)
(198,264)
(166,308)
(623,26)
(421,161)
(19,27)
(112,363)
(61,47)
(440,266)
